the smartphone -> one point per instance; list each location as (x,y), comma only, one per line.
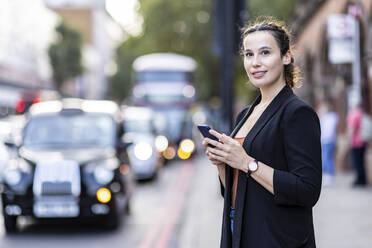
(204,130)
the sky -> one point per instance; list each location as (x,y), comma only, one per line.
(125,12)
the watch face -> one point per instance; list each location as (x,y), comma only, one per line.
(253,166)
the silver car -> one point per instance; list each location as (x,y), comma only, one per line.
(145,153)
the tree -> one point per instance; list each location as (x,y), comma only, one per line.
(184,27)
(281,9)
(65,55)
(121,82)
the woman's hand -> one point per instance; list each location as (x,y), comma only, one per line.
(227,150)
(208,153)
(218,163)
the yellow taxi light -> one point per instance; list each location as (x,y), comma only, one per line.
(187,145)
(182,154)
(103,195)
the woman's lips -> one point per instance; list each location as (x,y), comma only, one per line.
(258,74)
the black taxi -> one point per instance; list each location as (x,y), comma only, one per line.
(72,163)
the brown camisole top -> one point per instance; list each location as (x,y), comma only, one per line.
(235,181)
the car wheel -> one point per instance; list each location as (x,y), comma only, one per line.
(10,223)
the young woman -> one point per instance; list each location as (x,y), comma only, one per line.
(270,166)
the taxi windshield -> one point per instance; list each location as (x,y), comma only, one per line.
(138,126)
(70,131)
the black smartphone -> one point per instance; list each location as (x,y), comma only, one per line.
(204,129)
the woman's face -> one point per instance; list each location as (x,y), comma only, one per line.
(262,59)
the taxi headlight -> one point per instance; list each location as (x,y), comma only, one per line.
(103,170)
(161,143)
(187,146)
(143,151)
(14,169)
(103,175)
(13,177)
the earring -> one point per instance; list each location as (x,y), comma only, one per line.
(288,60)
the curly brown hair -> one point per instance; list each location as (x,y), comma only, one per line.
(282,37)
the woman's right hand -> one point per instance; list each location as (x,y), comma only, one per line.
(208,153)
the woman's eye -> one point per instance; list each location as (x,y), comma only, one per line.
(265,52)
(248,54)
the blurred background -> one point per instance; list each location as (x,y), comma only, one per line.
(99,102)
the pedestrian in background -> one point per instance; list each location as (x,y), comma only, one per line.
(328,126)
(358,146)
(270,166)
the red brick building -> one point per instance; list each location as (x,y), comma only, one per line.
(323,80)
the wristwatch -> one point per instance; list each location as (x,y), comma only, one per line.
(252,167)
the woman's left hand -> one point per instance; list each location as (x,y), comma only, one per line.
(228,151)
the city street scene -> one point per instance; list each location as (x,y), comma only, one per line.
(104,105)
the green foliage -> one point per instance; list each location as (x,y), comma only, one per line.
(183,27)
(65,55)
(186,27)
(126,53)
(281,9)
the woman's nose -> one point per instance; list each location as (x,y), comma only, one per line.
(256,61)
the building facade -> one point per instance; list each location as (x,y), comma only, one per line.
(327,81)
(26,30)
(101,35)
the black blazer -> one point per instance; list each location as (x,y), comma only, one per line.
(287,138)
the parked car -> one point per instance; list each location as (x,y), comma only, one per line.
(145,153)
(71,163)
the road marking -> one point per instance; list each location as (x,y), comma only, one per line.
(180,195)
(163,228)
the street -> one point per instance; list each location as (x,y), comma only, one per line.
(182,209)
(178,209)
(95,95)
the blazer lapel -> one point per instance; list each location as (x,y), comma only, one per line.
(241,181)
(245,117)
(277,102)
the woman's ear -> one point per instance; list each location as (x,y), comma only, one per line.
(287,58)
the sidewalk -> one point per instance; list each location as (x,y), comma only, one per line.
(343,215)
(202,217)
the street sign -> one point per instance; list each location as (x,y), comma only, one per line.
(354,10)
(340,26)
(341,32)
